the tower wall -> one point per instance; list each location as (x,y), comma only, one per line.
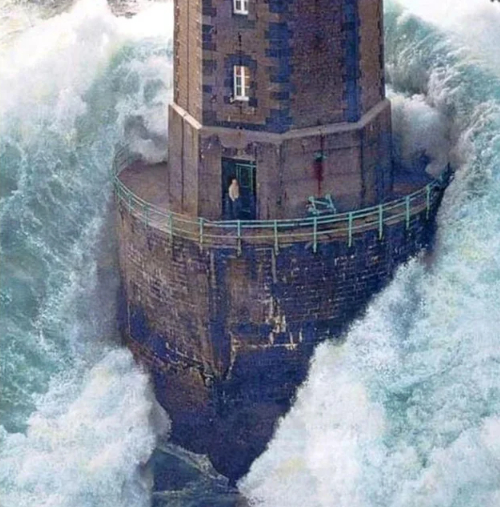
(312,62)
(355,167)
(228,335)
(226,314)
(188,56)
(316,90)
(371,63)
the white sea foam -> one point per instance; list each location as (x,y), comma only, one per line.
(473,22)
(419,128)
(86,440)
(79,419)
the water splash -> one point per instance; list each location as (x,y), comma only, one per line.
(78,417)
(85,440)
(404,414)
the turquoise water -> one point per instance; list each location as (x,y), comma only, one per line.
(405,413)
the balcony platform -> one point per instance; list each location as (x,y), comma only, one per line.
(141,189)
(147,181)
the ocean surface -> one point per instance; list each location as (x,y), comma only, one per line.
(405,413)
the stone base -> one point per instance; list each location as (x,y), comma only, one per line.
(228,336)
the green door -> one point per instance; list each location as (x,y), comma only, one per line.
(244,172)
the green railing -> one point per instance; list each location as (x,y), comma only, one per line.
(313,230)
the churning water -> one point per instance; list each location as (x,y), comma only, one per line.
(405,413)
(78,418)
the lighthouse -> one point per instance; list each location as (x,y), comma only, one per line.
(274,220)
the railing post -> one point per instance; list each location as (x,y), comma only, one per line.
(129,202)
(276,243)
(146,213)
(239,237)
(315,235)
(427,201)
(380,221)
(407,204)
(170,225)
(201,230)
(350,219)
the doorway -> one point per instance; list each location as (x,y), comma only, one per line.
(244,172)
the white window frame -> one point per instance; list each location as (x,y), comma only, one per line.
(240,7)
(241,83)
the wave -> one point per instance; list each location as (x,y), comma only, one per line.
(78,417)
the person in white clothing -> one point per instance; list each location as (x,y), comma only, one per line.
(234,190)
(234,200)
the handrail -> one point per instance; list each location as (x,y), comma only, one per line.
(224,233)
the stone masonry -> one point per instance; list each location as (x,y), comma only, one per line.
(316,92)
(229,336)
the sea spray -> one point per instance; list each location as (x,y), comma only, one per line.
(379,394)
(78,415)
(86,439)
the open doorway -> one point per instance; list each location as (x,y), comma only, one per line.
(243,171)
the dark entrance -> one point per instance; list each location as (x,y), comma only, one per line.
(244,172)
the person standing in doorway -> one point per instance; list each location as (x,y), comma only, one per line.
(234,199)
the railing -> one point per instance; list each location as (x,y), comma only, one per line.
(313,230)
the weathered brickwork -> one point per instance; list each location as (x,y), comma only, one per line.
(188,56)
(312,62)
(228,337)
(238,40)
(184,175)
(371,63)
(319,66)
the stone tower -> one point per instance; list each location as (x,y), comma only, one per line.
(286,94)
(226,303)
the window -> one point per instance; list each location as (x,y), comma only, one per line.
(240,6)
(241,82)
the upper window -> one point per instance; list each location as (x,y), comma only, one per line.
(240,6)
(241,82)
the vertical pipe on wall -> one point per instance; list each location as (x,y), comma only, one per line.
(276,243)
(407,204)
(239,237)
(201,232)
(315,235)
(380,221)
